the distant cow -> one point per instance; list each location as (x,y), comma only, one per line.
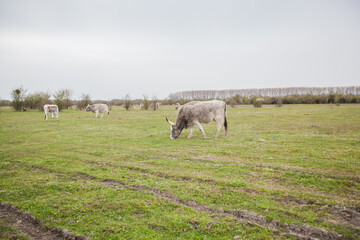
(155,105)
(141,106)
(98,108)
(194,113)
(177,106)
(51,109)
(158,105)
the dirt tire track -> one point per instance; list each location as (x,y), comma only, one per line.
(300,231)
(345,216)
(160,174)
(304,231)
(31,227)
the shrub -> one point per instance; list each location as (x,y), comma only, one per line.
(321,99)
(62,99)
(127,102)
(246,100)
(84,101)
(355,99)
(337,99)
(257,102)
(235,100)
(37,100)
(18,98)
(308,99)
(278,102)
(345,99)
(146,103)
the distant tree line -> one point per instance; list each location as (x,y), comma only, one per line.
(277,96)
(4,103)
(264,92)
(295,99)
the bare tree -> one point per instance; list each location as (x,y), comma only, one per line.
(63,98)
(146,102)
(127,102)
(18,98)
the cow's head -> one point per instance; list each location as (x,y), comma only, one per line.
(88,108)
(175,132)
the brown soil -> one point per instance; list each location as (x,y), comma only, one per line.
(346,216)
(30,227)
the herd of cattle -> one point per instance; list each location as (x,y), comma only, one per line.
(189,115)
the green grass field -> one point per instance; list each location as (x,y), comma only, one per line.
(123,178)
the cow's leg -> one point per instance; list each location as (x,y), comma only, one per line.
(102,115)
(96,113)
(219,124)
(201,129)
(52,116)
(46,116)
(191,131)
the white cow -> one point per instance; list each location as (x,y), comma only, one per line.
(51,109)
(177,107)
(158,105)
(98,108)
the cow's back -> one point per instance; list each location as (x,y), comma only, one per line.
(51,108)
(101,107)
(204,112)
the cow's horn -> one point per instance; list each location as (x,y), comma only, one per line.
(171,123)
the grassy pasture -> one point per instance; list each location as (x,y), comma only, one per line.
(123,178)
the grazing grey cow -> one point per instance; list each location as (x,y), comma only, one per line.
(194,113)
(98,108)
(51,109)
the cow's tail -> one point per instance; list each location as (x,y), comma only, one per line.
(225,122)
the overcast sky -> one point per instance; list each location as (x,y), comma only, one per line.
(112,48)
